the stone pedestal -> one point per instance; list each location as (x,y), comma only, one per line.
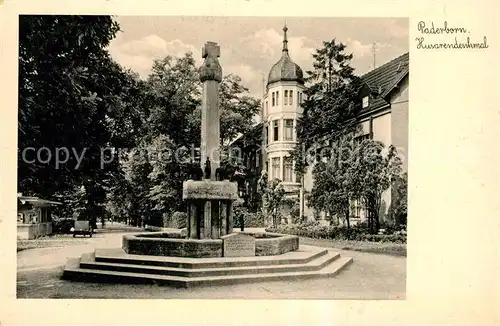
(210,213)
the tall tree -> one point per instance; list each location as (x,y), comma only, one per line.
(61,64)
(372,172)
(331,100)
(399,203)
(74,101)
(237,108)
(174,93)
(273,197)
(333,182)
(167,174)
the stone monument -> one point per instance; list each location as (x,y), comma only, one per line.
(222,256)
(210,201)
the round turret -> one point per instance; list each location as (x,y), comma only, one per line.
(285,69)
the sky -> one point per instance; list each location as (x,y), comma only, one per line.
(251,45)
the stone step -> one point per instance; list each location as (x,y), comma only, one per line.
(72,271)
(304,255)
(88,262)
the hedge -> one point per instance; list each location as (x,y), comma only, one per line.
(315,231)
(177,220)
(250,220)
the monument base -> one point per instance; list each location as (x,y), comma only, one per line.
(116,266)
(241,244)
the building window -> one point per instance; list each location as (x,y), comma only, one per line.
(285,100)
(287,169)
(365,101)
(266,135)
(360,139)
(276,167)
(273,99)
(298,177)
(290,99)
(267,108)
(288,129)
(276,130)
(277,98)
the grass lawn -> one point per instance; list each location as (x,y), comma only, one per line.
(387,248)
(56,240)
(62,240)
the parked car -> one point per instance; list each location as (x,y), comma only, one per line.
(82,227)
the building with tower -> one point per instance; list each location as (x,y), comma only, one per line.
(281,109)
(384,117)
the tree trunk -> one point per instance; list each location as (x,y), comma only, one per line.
(376,211)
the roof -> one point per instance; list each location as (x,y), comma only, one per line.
(285,69)
(25,199)
(382,80)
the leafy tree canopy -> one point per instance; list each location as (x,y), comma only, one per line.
(331,100)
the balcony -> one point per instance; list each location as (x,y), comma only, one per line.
(281,145)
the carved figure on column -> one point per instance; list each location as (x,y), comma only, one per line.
(208,169)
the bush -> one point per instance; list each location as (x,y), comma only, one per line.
(250,220)
(393,238)
(177,220)
(239,211)
(316,231)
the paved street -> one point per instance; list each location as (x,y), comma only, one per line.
(44,258)
(371,276)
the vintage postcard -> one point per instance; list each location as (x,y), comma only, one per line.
(266,162)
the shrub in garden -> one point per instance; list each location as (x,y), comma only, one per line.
(179,220)
(250,220)
(167,220)
(315,231)
(239,212)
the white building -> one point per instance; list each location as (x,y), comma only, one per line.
(281,109)
(384,117)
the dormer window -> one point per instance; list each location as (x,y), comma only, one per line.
(365,102)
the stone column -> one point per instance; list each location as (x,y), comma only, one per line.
(210,76)
(207,225)
(229,217)
(223,218)
(188,222)
(215,219)
(193,220)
